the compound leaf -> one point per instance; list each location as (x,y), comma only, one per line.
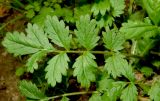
(118,7)
(19,44)
(101,6)
(32,61)
(57,67)
(117,66)
(87,32)
(154,91)
(85,68)
(113,40)
(30,90)
(129,93)
(133,29)
(58,33)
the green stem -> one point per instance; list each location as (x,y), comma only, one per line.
(80,52)
(70,94)
(94,52)
(19,3)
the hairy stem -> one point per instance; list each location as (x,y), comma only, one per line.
(109,53)
(71,94)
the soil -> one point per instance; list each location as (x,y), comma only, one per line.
(8,79)
(8,63)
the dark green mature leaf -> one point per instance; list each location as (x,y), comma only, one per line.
(58,33)
(32,61)
(136,29)
(30,90)
(19,44)
(85,68)
(113,40)
(154,92)
(129,93)
(117,66)
(87,32)
(153,9)
(101,6)
(118,7)
(57,67)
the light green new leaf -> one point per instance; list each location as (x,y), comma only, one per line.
(117,66)
(32,61)
(113,90)
(118,7)
(129,93)
(95,97)
(113,40)
(153,9)
(104,84)
(101,6)
(57,67)
(87,32)
(20,44)
(30,90)
(136,29)
(85,69)
(58,33)
(154,92)
(65,99)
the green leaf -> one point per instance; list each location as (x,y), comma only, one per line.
(118,7)
(66,13)
(154,92)
(129,93)
(114,91)
(87,32)
(143,45)
(81,10)
(117,66)
(106,20)
(95,97)
(156,63)
(30,90)
(153,9)
(19,44)
(20,71)
(32,61)
(58,33)
(136,29)
(104,84)
(57,67)
(113,40)
(40,18)
(147,71)
(85,69)
(30,13)
(101,6)
(65,99)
